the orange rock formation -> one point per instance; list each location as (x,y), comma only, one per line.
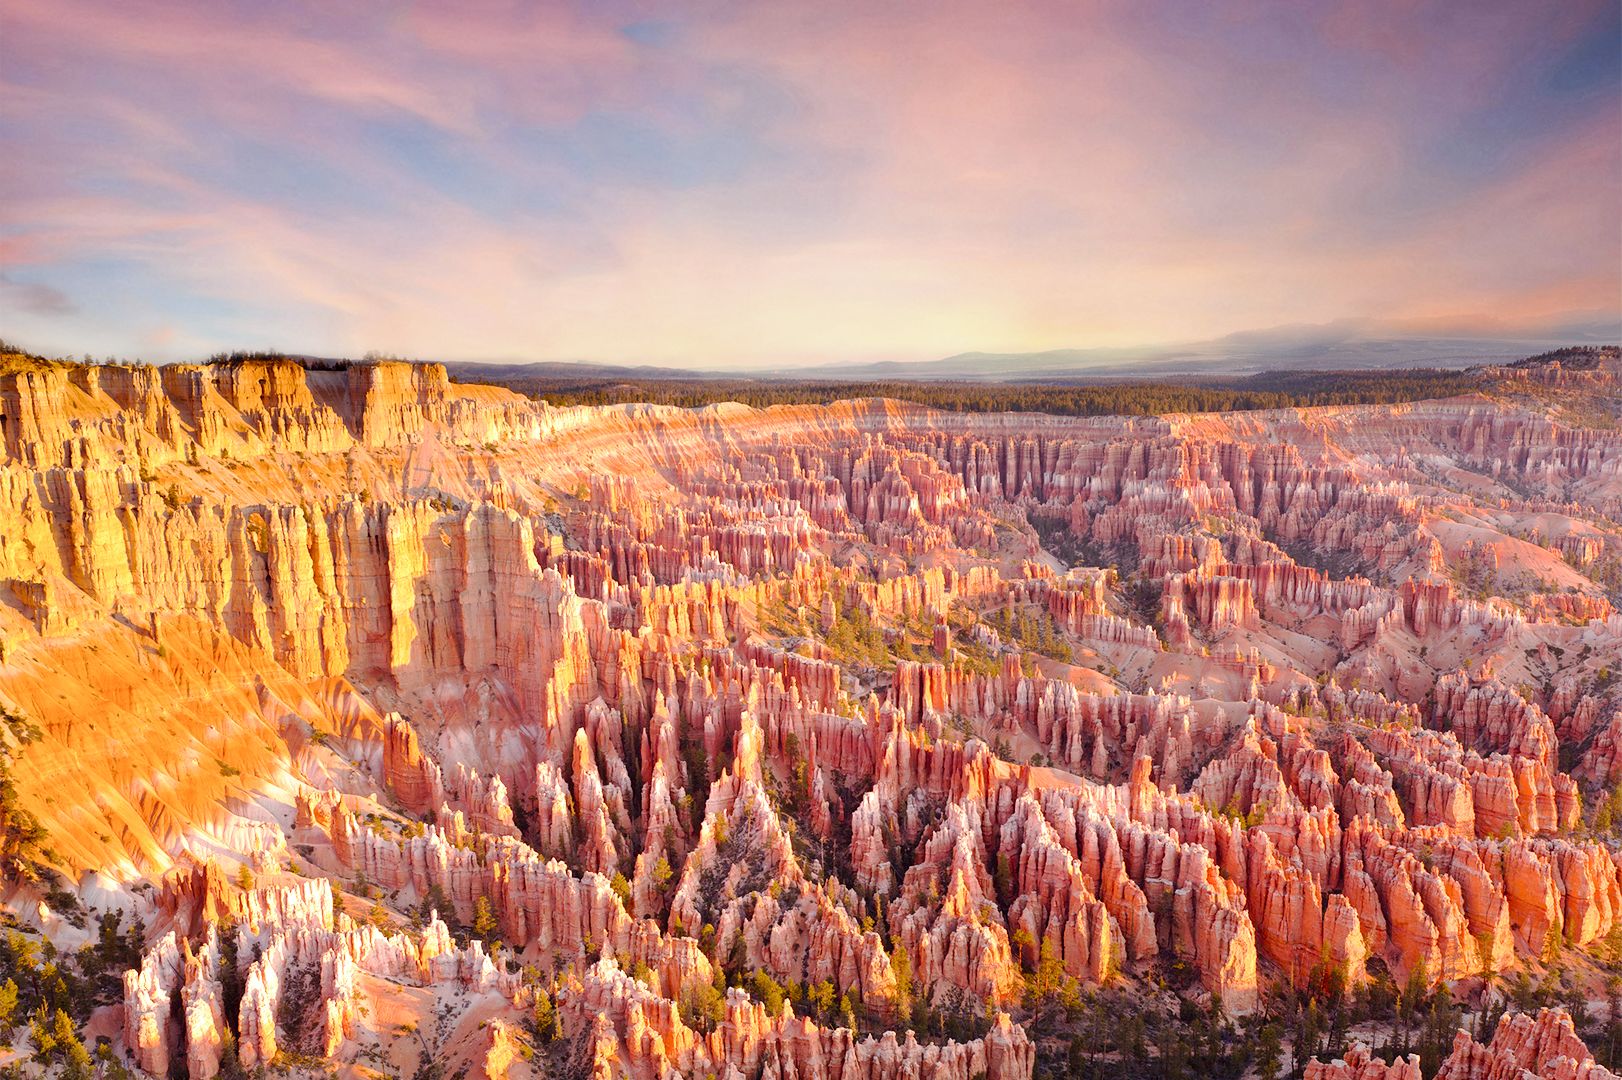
(659,697)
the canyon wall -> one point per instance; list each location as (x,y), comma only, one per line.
(678,706)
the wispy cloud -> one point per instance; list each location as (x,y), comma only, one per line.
(35,297)
(769,182)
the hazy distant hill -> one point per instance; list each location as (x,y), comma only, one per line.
(1237,355)
(1342,346)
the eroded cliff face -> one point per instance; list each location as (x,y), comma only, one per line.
(1522,1046)
(918,708)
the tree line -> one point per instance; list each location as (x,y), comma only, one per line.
(1272,390)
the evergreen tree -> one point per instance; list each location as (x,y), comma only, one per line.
(545,1016)
(769,992)
(484,920)
(901,964)
(1269,1052)
(8,1010)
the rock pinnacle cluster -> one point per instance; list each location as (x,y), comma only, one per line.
(409,723)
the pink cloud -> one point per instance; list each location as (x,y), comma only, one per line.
(912,180)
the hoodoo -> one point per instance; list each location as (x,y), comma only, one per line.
(358,716)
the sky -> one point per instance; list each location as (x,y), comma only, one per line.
(769,184)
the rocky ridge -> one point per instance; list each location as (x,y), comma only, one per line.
(674,698)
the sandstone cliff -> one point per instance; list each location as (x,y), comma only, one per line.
(656,698)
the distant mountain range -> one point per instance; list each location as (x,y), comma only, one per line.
(1343,345)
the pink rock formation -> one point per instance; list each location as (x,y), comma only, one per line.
(1545,1046)
(680,692)
(1358,1065)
